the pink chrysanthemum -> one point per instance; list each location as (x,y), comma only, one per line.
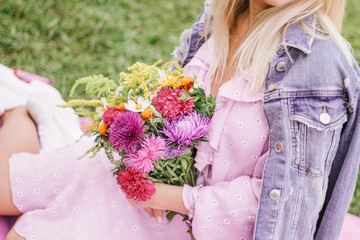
(110,114)
(134,185)
(126,131)
(152,148)
(168,104)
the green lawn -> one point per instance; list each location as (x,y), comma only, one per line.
(351,30)
(65,40)
(68,39)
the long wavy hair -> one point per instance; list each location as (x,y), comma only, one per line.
(266,33)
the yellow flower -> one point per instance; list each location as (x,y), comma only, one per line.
(82,103)
(168,81)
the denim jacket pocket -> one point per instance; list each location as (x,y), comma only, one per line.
(315,129)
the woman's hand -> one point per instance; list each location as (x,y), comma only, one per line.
(157,214)
(166,197)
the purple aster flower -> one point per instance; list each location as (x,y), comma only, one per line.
(186,129)
(172,152)
(152,148)
(126,131)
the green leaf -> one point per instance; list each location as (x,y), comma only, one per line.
(171,172)
(170,215)
(184,164)
(157,114)
(116,162)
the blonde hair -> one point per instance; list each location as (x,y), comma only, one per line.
(267,32)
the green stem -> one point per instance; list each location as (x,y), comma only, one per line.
(154,180)
(191,233)
(158,167)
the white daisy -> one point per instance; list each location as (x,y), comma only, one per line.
(140,106)
(104,102)
(162,74)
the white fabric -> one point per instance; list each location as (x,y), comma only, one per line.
(57,127)
(9,100)
(11,82)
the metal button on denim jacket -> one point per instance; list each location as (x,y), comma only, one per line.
(311,104)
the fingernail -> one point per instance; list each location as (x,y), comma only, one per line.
(159,219)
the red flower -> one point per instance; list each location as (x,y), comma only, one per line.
(134,185)
(167,103)
(110,114)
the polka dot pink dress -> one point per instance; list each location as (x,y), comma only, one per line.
(65,198)
(232,162)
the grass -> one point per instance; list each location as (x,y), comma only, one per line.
(351,32)
(68,39)
(351,29)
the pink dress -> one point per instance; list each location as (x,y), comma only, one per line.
(232,162)
(65,198)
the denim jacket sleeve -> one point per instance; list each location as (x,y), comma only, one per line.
(344,170)
(192,39)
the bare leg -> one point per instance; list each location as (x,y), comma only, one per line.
(18,134)
(13,235)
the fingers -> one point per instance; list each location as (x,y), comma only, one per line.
(150,212)
(156,214)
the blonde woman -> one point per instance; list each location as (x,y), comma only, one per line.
(282,156)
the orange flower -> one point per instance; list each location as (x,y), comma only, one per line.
(102,129)
(186,83)
(121,106)
(147,114)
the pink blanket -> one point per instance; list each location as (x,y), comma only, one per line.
(351,228)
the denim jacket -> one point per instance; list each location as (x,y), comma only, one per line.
(311,103)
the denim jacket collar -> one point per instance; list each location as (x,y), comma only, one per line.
(298,38)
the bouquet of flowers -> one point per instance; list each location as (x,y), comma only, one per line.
(148,123)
